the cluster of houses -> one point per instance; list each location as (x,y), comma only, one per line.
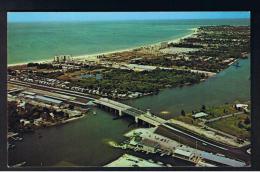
(51,103)
(66,85)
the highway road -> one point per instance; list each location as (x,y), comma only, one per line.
(168,130)
(197,141)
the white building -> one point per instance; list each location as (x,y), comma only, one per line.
(241,106)
(199,115)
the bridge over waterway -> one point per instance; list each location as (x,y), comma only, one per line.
(123,109)
(140,116)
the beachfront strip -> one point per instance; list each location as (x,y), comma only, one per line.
(38,90)
(146,70)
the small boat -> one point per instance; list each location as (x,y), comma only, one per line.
(94,112)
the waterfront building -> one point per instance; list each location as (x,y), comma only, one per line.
(29,93)
(241,106)
(48,100)
(199,115)
(183,153)
(57,59)
(127,160)
(62,58)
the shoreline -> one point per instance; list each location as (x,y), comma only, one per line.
(85,56)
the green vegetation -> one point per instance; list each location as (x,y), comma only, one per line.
(30,113)
(217,111)
(216,47)
(215,66)
(238,126)
(213,111)
(187,119)
(143,82)
(53,75)
(43,66)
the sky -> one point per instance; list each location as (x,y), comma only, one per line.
(108,16)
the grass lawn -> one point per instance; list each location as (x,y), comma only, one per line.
(187,119)
(231,125)
(217,111)
(213,111)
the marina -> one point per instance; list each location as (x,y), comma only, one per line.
(146,140)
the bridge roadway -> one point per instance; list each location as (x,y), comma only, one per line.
(120,107)
(126,109)
(134,112)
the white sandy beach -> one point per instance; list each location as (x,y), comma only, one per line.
(94,56)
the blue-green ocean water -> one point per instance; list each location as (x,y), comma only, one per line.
(29,42)
(84,142)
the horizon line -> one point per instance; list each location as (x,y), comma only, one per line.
(45,21)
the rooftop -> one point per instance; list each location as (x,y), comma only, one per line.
(183,152)
(50,100)
(199,115)
(132,161)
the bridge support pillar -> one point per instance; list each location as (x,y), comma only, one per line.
(136,120)
(120,113)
